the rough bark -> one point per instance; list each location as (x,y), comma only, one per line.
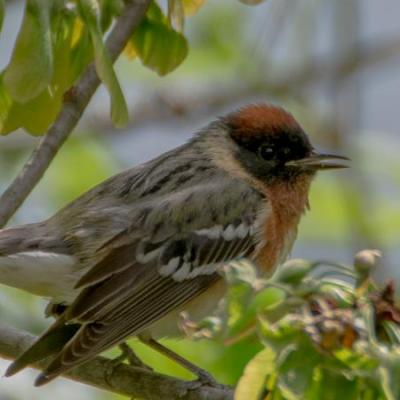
(123,379)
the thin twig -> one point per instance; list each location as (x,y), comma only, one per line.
(75,102)
(122,379)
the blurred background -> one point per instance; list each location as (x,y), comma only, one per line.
(333,64)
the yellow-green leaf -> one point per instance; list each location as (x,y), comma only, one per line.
(35,116)
(5,105)
(130,51)
(295,376)
(72,51)
(191,7)
(77,31)
(159,47)
(81,52)
(252,385)
(109,9)
(30,69)
(90,13)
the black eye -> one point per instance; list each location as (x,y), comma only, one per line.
(286,151)
(266,152)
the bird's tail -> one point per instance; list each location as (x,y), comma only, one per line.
(50,342)
(18,239)
(31,260)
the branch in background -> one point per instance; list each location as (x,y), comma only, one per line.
(75,102)
(171,105)
(123,379)
(359,57)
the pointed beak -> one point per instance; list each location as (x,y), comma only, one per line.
(320,162)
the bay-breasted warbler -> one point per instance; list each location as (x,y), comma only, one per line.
(128,256)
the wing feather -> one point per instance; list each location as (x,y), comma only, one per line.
(95,337)
(143,274)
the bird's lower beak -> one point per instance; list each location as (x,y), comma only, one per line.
(319,162)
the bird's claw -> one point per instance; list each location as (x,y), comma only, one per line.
(206,379)
(126,354)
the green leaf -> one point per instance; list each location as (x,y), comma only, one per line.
(90,13)
(356,361)
(389,370)
(393,331)
(35,116)
(241,276)
(238,299)
(269,297)
(2,12)
(244,308)
(330,385)
(62,34)
(82,49)
(30,69)
(252,385)
(296,372)
(38,113)
(293,271)
(159,47)
(109,10)
(390,381)
(5,105)
(241,271)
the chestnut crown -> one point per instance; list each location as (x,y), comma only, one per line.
(267,137)
(271,144)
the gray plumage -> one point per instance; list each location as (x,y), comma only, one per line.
(144,243)
(127,256)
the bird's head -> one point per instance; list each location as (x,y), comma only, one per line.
(271,145)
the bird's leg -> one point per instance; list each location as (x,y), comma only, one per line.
(203,376)
(128,354)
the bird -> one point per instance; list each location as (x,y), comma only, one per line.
(127,257)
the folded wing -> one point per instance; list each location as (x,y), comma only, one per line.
(141,276)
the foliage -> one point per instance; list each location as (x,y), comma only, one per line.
(322,338)
(327,330)
(58,39)
(157,44)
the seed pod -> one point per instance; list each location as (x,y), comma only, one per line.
(366,260)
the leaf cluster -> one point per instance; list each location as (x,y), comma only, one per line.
(58,39)
(328,332)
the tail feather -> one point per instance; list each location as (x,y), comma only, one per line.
(74,353)
(51,342)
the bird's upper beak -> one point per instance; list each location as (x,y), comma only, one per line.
(318,161)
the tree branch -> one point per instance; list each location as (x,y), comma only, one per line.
(123,379)
(75,102)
